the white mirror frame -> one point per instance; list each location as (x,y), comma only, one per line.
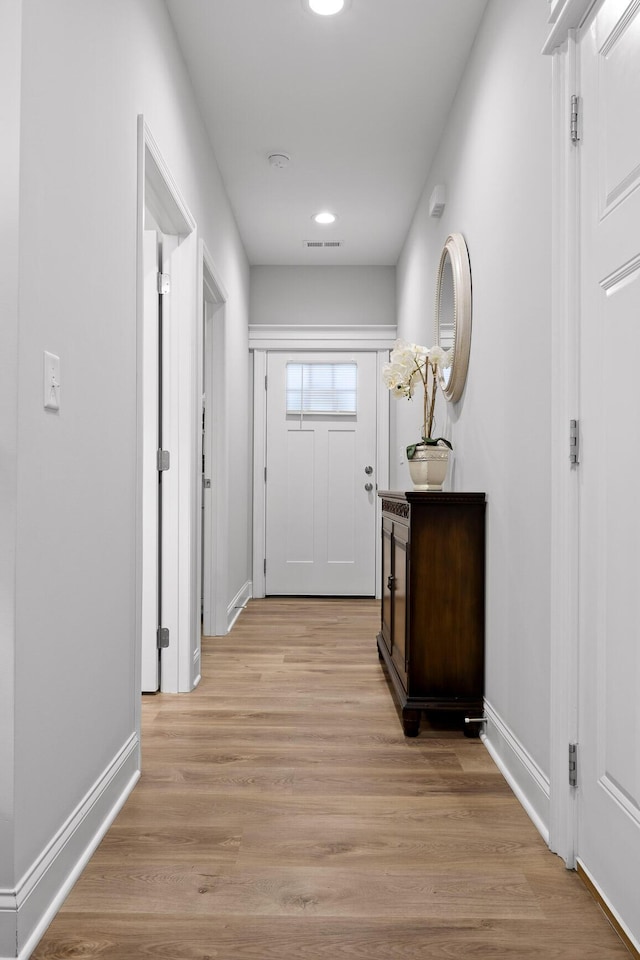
(456,250)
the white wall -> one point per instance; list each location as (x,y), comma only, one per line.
(323,295)
(10,33)
(88,70)
(495,160)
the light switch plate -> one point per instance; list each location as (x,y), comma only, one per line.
(51,381)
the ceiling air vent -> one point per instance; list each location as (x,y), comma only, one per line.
(314,244)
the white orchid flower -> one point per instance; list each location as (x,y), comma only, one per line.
(408,364)
(437,356)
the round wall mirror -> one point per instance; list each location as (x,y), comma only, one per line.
(453,313)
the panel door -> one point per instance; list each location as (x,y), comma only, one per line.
(608,841)
(320,516)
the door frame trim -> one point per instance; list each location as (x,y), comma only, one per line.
(562,45)
(329,337)
(264,339)
(566,16)
(159,193)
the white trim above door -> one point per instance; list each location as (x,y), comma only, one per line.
(274,336)
(566,17)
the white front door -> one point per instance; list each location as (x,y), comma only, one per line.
(608,842)
(321,484)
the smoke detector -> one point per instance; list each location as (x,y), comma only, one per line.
(279,160)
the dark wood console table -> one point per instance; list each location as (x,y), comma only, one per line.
(432,626)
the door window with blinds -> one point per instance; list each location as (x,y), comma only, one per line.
(322,389)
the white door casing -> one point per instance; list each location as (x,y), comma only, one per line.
(150,540)
(320,516)
(566,17)
(608,836)
(159,200)
(264,338)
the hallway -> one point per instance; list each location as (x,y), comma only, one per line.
(282,814)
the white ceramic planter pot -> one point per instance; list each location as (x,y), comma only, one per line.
(428,467)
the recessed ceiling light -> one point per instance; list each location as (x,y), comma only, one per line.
(326,8)
(325,217)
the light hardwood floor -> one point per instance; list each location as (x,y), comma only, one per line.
(282,815)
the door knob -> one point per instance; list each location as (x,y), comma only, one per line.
(368,487)
(368,471)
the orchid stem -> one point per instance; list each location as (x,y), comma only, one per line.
(433,397)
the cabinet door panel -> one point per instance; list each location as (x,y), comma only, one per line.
(387,582)
(448,603)
(400,580)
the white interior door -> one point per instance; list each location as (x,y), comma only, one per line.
(320,481)
(150,538)
(608,797)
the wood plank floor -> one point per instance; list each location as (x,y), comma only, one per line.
(282,815)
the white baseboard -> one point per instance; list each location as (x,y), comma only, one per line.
(524,776)
(27,910)
(238,603)
(615,917)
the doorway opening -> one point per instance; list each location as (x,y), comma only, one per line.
(213,540)
(167,619)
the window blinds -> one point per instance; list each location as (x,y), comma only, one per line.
(321,388)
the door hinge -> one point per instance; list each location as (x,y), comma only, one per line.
(164,460)
(164,283)
(575,103)
(265,381)
(265,564)
(163,637)
(573,764)
(574,441)
(265,474)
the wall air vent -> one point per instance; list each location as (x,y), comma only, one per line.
(314,244)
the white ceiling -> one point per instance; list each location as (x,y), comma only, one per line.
(358,102)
